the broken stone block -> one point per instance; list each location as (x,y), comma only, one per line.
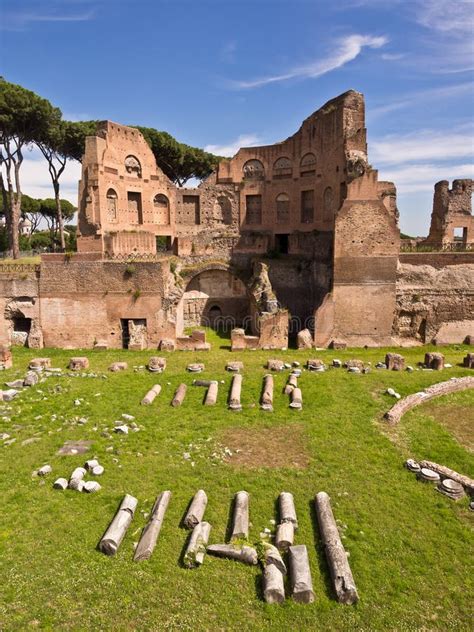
(76,482)
(300,574)
(78,364)
(101,345)
(60,483)
(468,361)
(337,364)
(198,335)
(434,361)
(304,339)
(31,378)
(315,365)
(394,362)
(354,364)
(123,429)
(115,367)
(97,470)
(6,361)
(45,470)
(91,486)
(338,344)
(157,364)
(9,394)
(234,367)
(38,364)
(452,489)
(167,345)
(16,383)
(90,464)
(428,476)
(196,367)
(275,365)
(412,465)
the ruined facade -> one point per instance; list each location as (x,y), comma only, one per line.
(280,238)
(452,221)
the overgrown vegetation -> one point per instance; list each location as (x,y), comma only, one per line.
(410,547)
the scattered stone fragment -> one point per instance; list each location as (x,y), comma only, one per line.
(316,365)
(427,475)
(196,549)
(31,379)
(97,470)
(179,395)
(150,533)
(304,339)
(90,464)
(300,574)
(45,470)
(287,509)
(75,481)
(91,487)
(354,364)
(273,584)
(211,395)
(336,555)
(245,554)
(157,364)
(38,364)
(410,369)
(275,365)
(446,472)
(235,392)
(285,535)
(234,367)
(78,364)
(296,399)
(74,447)
(9,394)
(451,488)
(471,505)
(412,465)
(4,436)
(122,429)
(195,367)
(337,363)
(167,345)
(150,396)
(115,367)
(117,529)
(60,483)
(240,523)
(434,361)
(101,345)
(381,365)
(394,362)
(16,383)
(468,361)
(266,402)
(196,510)
(6,361)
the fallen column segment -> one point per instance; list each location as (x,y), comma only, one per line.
(117,529)
(150,533)
(196,511)
(240,527)
(267,393)
(300,575)
(235,392)
(150,396)
(196,549)
(336,555)
(245,554)
(179,395)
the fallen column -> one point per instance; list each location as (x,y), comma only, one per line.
(296,399)
(300,574)
(196,549)
(245,554)
(285,535)
(273,557)
(75,481)
(291,384)
(152,529)
(287,509)
(150,396)
(211,395)
(179,395)
(446,472)
(117,529)
(336,555)
(240,527)
(267,394)
(235,391)
(196,511)
(273,585)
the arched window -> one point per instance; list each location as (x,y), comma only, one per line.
(161,206)
(282,208)
(328,203)
(133,167)
(223,210)
(308,165)
(112,205)
(254,170)
(282,168)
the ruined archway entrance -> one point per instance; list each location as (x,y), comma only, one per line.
(215,297)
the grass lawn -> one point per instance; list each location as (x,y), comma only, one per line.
(411,549)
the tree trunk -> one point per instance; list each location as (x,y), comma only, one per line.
(240,527)
(60,215)
(300,574)
(336,555)
(117,529)
(196,511)
(196,549)
(150,533)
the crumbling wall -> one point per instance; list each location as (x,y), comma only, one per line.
(452,208)
(20,308)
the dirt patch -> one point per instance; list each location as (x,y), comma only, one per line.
(459,420)
(74,447)
(280,446)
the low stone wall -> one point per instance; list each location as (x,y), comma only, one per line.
(436,259)
(453,385)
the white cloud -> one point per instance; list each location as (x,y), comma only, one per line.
(423,145)
(347,50)
(35,180)
(422,177)
(447,16)
(392,56)
(230,149)
(21,20)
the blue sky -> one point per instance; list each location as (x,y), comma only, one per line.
(224,73)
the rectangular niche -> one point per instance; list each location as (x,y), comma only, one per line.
(253,206)
(189,213)
(135,212)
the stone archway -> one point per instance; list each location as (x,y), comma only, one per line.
(215,297)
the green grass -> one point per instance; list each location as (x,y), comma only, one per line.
(411,549)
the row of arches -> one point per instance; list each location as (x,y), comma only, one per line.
(282,206)
(282,167)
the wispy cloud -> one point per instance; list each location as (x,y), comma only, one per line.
(21,20)
(347,49)
(420,97)
(448,16)
(230,149)
(422,177)
(392,56)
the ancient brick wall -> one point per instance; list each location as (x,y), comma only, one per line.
(452,218)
